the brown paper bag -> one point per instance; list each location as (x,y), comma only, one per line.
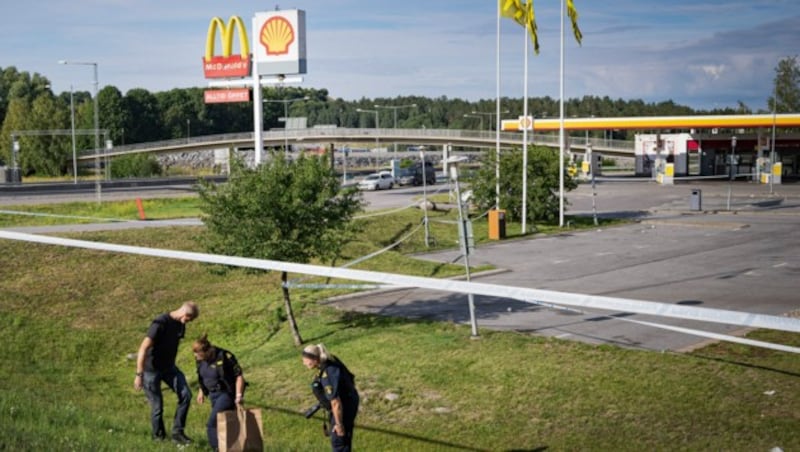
(240,430)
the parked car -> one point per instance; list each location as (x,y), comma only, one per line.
(430,174)
(382,181)
(412,175)
(406,176)
(389,173)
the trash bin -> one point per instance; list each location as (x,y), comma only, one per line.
(497,224)
(10,175)
(696,200)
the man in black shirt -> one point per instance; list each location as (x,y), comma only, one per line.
(156,363)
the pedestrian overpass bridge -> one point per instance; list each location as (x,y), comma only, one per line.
(366,138)
(544,132)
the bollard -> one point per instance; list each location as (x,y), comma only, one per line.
(141,208)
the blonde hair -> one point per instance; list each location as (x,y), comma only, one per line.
(318,352)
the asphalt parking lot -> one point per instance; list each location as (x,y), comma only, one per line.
(740,252)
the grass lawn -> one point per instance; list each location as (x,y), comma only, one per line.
(70,318)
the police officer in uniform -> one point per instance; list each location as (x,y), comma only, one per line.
(338,391)
(221,380)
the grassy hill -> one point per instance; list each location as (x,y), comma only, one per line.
(70,318)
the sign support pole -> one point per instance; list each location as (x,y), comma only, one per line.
(258,122)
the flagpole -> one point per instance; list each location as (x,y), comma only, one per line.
(525,136)
(497,116)
(561,128)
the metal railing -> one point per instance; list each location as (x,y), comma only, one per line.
(368,136)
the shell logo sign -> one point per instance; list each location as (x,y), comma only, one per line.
(227,64)
(277,35)
(526,123)
(280,42)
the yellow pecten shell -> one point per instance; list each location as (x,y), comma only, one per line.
(277,35)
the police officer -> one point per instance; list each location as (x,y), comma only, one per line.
(156,363)
(338,390)
(220,378)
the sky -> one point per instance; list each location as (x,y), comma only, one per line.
(702,54)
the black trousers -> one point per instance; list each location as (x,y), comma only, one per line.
(349,412)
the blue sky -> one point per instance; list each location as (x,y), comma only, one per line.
(701,54)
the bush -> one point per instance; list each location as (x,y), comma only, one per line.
(138,165)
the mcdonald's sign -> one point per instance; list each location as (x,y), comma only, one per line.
(226,65)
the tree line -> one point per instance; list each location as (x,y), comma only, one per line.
(28,103)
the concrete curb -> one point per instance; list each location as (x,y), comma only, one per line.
(696,224)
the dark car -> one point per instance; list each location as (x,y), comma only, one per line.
(406,176)
(430,173)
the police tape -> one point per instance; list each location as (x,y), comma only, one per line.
(717,336)
(678,329)
(746,319)
(320,286)
(297,282)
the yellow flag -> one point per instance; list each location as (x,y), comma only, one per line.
(573,17)
(522,13)
(513,10)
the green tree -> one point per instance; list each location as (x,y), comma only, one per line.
(177,108)
(48,155)
(22,88)
(288,210)
(543,193)
(17,118)
(113,115)
(786,86)
(146,124)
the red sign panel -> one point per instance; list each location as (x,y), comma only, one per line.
(226,67)
(220,96)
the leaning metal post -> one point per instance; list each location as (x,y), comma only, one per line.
(462,223)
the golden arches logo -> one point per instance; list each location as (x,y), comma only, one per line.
(226,65)
(277,34)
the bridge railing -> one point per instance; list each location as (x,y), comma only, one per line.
(381,137)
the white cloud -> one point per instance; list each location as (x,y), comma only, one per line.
(712,71)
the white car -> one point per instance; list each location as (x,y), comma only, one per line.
(382,181)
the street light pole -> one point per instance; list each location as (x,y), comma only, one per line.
(731,169)
(772,142)
(74,151)
(188,121)
(425,195)
(285,127)
(480,118)
(95,82)
(395,108)
(377,126)
(490,114)
(286,103)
